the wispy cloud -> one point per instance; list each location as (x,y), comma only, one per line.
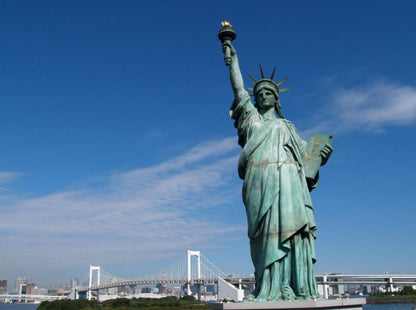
(154,210)
(8,177)
(371,108)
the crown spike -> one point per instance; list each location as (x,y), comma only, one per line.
(252,78)
(281,81)
(263,80)
(272,76)
(261,72)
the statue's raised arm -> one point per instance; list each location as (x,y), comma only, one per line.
(226,35)
(235,74)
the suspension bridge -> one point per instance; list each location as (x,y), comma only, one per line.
(192,270)
(195,270)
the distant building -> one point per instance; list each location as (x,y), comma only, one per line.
(112,290)
(210,288)
(3,286)
(176,291)
(74,282)
(338,289)
(41,291)
(146,290)
(31,288)
(367,289)
(18,282)
(161,288)
(134,289)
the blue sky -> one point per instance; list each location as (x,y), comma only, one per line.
(117,149)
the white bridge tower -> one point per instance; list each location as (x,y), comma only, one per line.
(198,255)
(98,270)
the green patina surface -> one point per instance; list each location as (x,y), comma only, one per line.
(276,190)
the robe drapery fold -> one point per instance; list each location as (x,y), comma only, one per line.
(281,223)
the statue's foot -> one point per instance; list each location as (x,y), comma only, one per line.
(287,293)
(260,299)
(249,298)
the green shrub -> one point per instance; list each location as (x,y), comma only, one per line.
(118,302)
(407,290)
(67,304)
(169,302)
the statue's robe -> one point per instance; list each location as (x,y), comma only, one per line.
(281,223)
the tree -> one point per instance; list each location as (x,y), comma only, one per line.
(407,290)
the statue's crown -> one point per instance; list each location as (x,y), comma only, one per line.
(269,82)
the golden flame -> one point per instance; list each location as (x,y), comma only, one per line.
(226,24)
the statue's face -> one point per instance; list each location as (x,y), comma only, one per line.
(265,98)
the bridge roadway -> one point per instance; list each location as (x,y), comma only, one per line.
(327,279)
(386,279)
(145,282)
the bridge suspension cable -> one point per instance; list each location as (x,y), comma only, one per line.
(109,278)
(194,266)
(178,270)
(210,270)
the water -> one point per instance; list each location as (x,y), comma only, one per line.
(18,306)
(389,307)
(366,307)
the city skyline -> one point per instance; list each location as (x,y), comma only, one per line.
(118,151)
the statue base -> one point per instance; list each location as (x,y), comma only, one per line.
(344,304)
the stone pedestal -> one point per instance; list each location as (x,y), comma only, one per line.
(344,304)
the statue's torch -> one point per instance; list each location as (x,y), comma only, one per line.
(226,33)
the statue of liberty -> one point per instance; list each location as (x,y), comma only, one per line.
(276,190)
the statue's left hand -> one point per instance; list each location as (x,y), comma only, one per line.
(326,153)
(229,52)
(227,44)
